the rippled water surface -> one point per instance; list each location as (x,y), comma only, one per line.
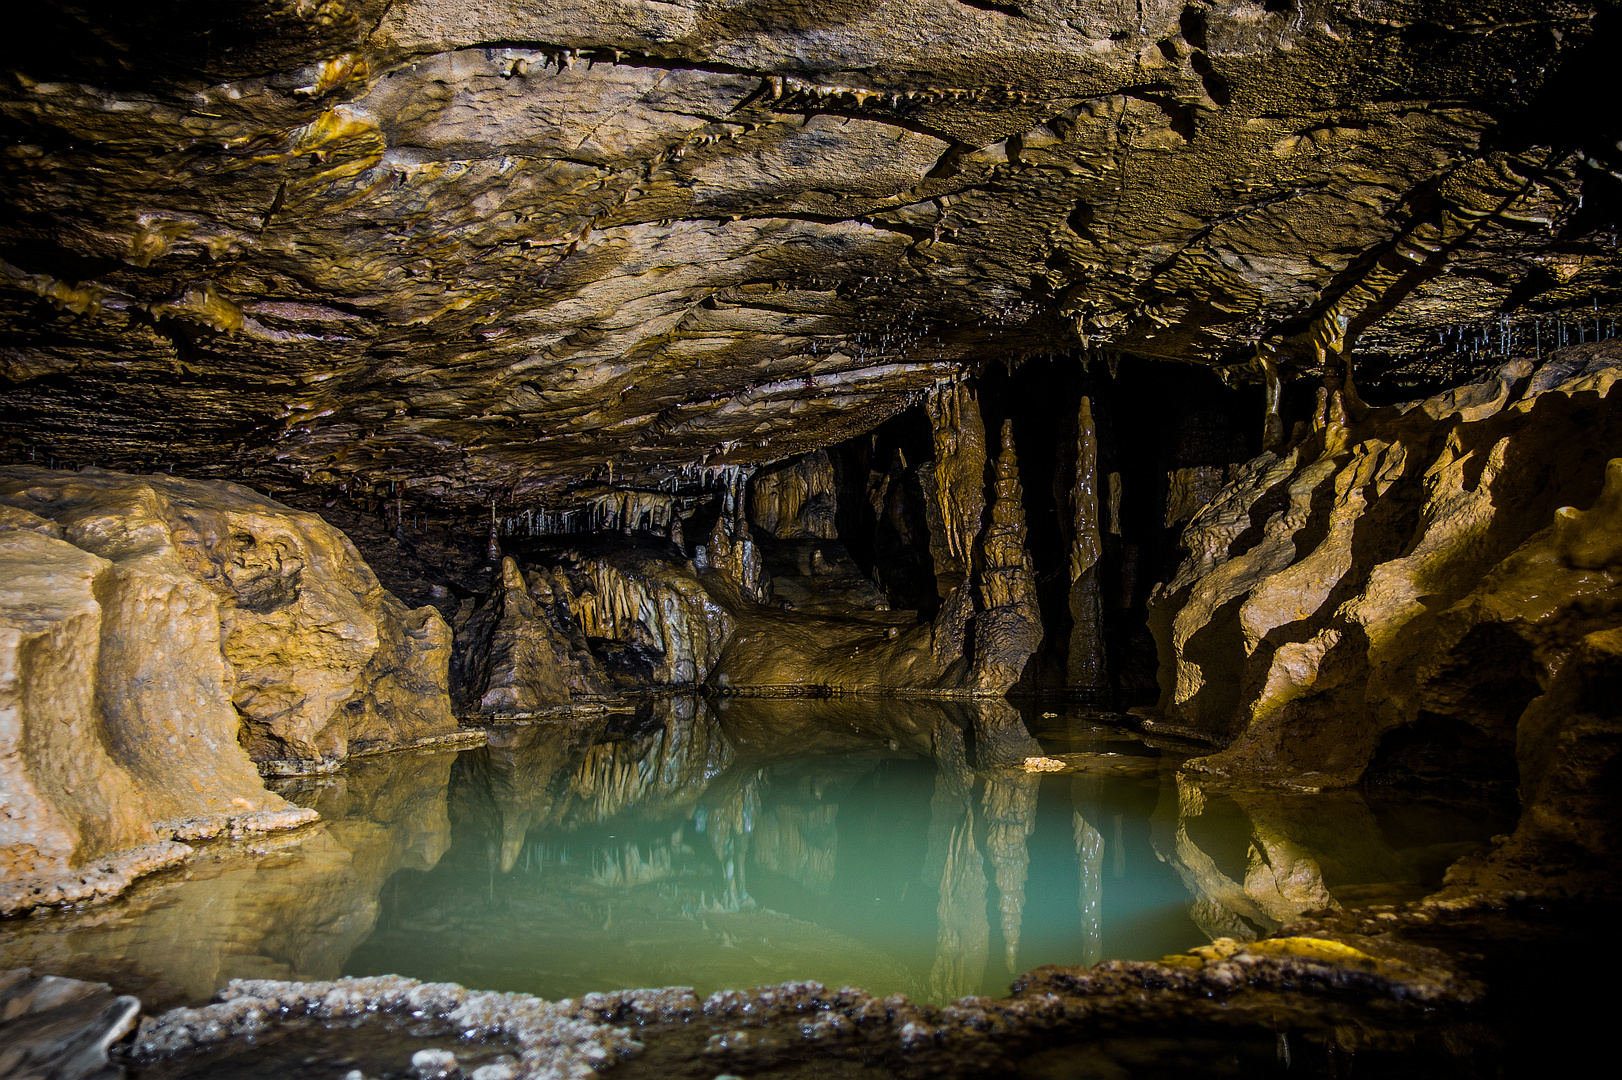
(892,845)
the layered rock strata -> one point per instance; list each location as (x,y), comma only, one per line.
(167,640)
(1432,588)
(475,247)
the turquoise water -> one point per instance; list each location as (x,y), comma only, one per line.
(895,845)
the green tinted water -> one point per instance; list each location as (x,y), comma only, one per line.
(892,845)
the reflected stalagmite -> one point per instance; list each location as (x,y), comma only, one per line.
(1090,856)
(1009,805)
(963,940)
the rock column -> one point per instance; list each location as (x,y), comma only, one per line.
(1085,669)
(959,475)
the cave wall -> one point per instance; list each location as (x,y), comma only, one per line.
(1408,590)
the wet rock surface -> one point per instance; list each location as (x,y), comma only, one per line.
(1398,590)
(60,1029)
(1314,933)
(496,250)
(172,640)
(1390,989)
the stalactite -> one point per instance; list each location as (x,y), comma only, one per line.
(1086,665)
(730,551)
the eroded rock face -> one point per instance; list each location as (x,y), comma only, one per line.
(1413,588)
(166,636)
(66,800)
(229,609)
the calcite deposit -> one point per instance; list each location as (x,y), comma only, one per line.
(370,364)
(517,251)
(1427,591)
(168,640)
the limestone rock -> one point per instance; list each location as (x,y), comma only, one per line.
(176,631)
(474,244)
(956,485)
(1084,667)
(226,608)
(508,660)
(66,799)
(735,559)
(593,619)
(795,500)
(1344,596)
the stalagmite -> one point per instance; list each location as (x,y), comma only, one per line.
(1086,668)
(509,658)
(1009,629)
(1273,425)
(730,551)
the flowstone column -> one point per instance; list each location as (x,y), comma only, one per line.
(1085,669)
(731,551)
(959,488)
(1009,629)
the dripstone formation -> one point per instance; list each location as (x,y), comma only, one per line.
(525,251)
(388,374)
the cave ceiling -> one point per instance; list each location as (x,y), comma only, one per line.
(510,249)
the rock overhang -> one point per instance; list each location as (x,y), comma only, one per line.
(512,249)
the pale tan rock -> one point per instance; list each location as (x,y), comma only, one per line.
(795,500)
(226,608)
(173,623)
(65,799)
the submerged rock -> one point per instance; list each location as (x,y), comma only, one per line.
(59,1029)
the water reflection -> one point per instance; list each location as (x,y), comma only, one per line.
(887,844)
(291,906)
